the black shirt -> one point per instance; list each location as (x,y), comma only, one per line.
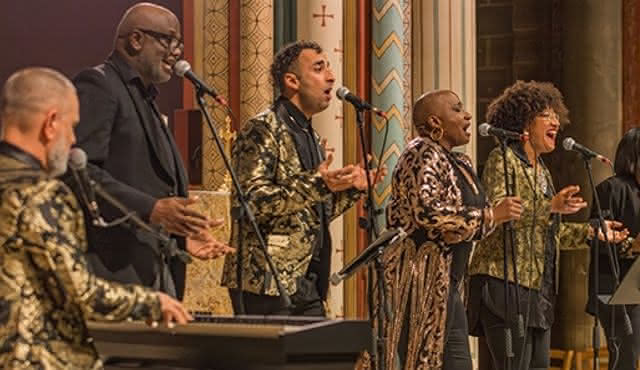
(311,155)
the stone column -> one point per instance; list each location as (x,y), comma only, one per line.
(444,40)
(592,86)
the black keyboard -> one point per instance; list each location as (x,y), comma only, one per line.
(236,342)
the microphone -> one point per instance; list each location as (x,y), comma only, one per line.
(182,68)
(345,95)
(570,144)
(486,129)
(78,165)
(387,239)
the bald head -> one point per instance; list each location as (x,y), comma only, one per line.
(31,91)
(144,16)
(428,104)
(149,39)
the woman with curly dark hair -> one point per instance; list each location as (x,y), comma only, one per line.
(536,109)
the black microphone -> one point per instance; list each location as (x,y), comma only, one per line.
(345,95)
(486,129)
(78,165)
(387,239)
(182,68)
(570,144)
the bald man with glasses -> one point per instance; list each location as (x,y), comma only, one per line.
(134,157)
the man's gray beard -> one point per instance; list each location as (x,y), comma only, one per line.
(57,159)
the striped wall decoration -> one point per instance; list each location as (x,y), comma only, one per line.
(388,86)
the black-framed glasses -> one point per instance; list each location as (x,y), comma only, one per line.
(169,42)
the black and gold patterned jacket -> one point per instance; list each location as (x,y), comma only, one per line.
(47,293)
(427,203)
(282,196)
(530,230)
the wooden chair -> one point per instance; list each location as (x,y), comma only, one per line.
(561,355)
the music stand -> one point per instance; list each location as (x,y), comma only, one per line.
(628,291)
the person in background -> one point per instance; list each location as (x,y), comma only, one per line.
(620,200)
(134,157)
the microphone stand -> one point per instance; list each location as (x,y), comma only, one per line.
(615,269)
(507,231)
(245,210)
(383,312)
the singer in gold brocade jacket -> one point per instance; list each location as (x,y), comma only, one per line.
(282,168)
(46,290)
(439,201)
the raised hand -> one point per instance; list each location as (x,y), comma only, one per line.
(566,202)
(616,232)
(376,175)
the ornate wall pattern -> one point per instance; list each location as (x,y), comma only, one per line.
(388,85)
(256,54)
(211,60)
(408,92)
(215,69)
(203,291)
(321,21)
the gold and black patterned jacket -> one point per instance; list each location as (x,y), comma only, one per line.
(282,196)
(47,293)
(530,231)
(427,203)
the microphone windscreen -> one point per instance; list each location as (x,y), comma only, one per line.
(342,92)
(77,159)
(181,67)
(568,143)
(483,129)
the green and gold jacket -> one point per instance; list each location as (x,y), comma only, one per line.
(530,231)
(282,196)
(47,293)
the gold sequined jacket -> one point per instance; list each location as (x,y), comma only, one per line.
(531,229)
(427,203)
(282,197)
(47,293)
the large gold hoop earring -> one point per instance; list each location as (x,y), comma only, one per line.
(436,133)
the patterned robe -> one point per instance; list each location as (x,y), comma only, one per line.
(488,256)
(47,293)
(282,197)
(427,204)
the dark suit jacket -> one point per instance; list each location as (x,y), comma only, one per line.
(130,158)
(620,201)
